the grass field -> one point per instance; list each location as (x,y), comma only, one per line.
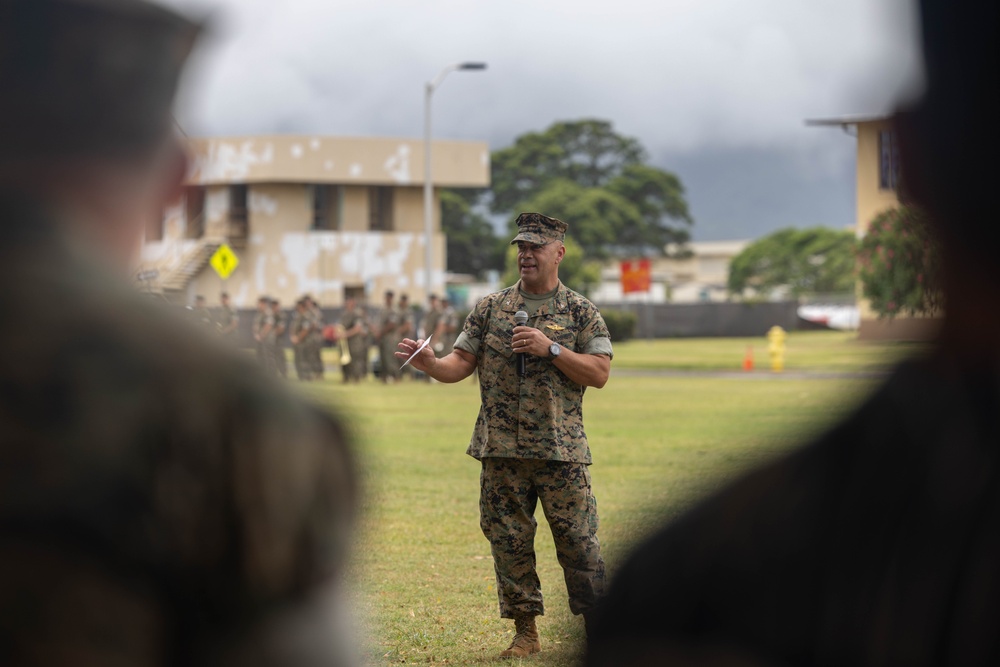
(423,578)
(827,351)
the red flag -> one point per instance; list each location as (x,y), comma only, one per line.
(636,276)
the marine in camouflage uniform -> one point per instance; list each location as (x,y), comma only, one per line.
(446,330)
(387,339)
(429,324)
(529,435)
(314,341)
(262,324)
(227,321)
(276,339)
(201,315)
(405,328)
(355,325)
(298,331)
(162,502)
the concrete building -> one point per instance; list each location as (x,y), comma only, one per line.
(330,216)
(877,179)
(698,277)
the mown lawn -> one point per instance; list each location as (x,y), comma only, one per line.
(423,579)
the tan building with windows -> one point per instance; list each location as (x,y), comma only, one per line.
(877,174)
(328,216)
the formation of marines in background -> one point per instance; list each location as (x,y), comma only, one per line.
(354,334)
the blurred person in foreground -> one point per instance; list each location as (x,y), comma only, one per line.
(879,543)
(529,435)
(162,502)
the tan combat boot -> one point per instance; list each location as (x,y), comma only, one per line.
(525,639)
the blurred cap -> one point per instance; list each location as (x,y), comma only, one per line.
(88,77)
(539,229)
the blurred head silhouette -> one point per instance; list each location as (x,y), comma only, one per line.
(85,125)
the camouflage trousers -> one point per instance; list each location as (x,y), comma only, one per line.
(510,491)
(303,368)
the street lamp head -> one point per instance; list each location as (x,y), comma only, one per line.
(472,66)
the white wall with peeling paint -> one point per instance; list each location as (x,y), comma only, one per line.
(284,258)
(343,160)
(281,256)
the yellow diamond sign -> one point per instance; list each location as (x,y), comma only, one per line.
(224,261)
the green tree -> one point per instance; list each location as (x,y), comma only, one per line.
(575,271)
(587,152)
(899,264)
(473,246)
(597,180)
(596,214)
(804,261)
(659,197)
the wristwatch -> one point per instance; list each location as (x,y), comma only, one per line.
(554,350)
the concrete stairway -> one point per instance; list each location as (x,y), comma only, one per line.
(178,278)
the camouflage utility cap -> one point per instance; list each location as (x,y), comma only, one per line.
(87,77)
(539,229)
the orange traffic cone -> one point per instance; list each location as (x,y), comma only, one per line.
(748,359)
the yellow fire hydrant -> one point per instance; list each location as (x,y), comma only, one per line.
(776,347)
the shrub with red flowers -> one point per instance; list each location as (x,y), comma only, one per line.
(899,264)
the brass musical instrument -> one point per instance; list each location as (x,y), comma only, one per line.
(345,350)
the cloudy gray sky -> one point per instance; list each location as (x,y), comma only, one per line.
(717,90)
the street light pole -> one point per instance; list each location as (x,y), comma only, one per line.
(428,182)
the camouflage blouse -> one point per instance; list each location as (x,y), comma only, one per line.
(539,416)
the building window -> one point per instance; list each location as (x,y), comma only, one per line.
(380,209)
(888,148)
(238,210)
(326,207)
(356,292)
(194,212)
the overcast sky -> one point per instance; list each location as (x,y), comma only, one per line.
(716,90)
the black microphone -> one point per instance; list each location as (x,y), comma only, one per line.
(520,319)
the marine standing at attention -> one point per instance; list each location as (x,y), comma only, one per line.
(314,341)
(227,319)
(386,339)
(262,325)
(529,435)
(276,339)
(355,324)
(403,329)
(298,332)
(446,330)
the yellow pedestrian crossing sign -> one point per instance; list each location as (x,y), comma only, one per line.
(224,261)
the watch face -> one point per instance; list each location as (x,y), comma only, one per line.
(554,349)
